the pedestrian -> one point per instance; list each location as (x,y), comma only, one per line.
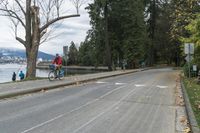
(21,75)
(14,76)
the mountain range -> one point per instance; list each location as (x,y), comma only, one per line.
(15,52)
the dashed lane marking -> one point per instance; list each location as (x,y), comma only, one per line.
(161,87)
(120,83)
(139,85)
(100,82)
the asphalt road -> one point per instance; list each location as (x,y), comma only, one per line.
(142,102)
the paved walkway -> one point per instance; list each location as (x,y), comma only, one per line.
(19,88)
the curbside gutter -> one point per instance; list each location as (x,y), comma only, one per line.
(51,87)
(189,111)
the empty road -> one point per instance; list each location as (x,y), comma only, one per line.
(142,102)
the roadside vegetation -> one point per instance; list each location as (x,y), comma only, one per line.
(193,91)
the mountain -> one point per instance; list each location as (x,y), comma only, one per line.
(14,52)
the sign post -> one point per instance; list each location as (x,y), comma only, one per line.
(189,50)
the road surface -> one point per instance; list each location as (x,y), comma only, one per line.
(142,102)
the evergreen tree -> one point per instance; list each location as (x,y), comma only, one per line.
(122,24)
(86,54)
(134,32)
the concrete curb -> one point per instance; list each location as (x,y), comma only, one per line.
(189,111)
(51,87)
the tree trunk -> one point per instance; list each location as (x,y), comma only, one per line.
(152,52)
(32,48)
(31,62)
(108,51)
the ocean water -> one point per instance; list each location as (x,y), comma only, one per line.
(6,71)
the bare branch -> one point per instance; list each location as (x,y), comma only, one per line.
(21,41)
(42,34)
(20,7)
(55,20)
(13,15)
(15,26)
(7,15)
(78,4)
(50,34)
(58,4)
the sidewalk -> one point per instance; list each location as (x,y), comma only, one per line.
(8,90)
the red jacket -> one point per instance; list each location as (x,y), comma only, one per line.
(58,61)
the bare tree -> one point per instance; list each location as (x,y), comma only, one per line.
(35,17)
(78,4)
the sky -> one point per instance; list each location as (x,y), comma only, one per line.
(72,29)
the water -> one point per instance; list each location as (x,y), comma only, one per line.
(6,71)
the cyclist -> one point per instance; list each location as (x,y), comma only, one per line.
(58,64)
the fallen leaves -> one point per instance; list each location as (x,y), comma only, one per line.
(187,130)
(184,120)
(179,95)
(180,101)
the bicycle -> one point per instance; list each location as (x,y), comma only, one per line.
(55,74)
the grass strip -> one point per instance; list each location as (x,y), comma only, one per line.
(193,91)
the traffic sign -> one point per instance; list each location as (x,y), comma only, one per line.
(189,48)
(194,68)
(188,58)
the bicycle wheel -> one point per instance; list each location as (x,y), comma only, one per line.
(51,75)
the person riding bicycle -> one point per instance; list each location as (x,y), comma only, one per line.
(58,63)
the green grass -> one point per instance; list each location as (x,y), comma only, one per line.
(193,91)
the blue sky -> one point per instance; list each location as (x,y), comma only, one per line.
(72,29)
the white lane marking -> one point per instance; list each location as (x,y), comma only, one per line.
(46,122)
(100,82)
(107,110)
(59,116)
(139,85)
(120,83)
(162,87)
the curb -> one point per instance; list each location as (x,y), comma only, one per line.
(190,114)
(34,90)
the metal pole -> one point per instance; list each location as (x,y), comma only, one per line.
(189,61)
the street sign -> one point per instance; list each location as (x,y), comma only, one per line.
(188,58)
(189,48)
(194,68)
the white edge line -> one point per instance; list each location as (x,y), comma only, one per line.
(46,122)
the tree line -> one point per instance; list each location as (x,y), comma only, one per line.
(140,31)
(131,32)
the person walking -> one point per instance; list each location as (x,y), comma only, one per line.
(21,75)
(14,76)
